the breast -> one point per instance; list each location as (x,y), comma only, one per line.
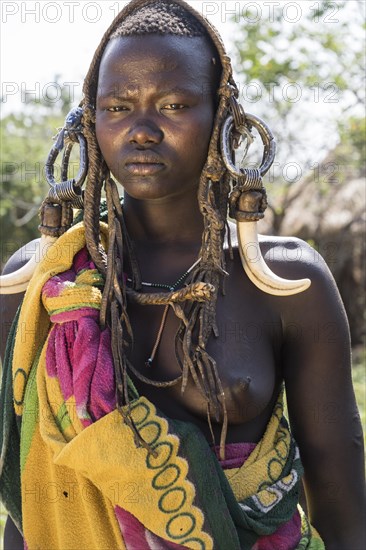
(247,353)
(246,360)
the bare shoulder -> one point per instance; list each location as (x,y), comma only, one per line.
(321,304)
(290,257)
(293,258)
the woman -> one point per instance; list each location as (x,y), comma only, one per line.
(156,315)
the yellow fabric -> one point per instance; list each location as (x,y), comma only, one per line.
(84,473)
(266,461)
(61,507)
(34,320)
(94,470)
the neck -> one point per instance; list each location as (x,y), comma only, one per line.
(168,221)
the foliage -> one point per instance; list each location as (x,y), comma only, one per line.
(352,146)
(359,384)
(306,79)
(25,140)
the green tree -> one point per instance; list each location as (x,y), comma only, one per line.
(25,140)
(306,79)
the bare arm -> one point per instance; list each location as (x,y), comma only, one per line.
(322,407)
(8,307)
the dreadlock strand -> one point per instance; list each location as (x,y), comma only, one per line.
(207,365)
(92,197)
(197,353)
(199,366)
(107,295)
(188,359)
(118,291)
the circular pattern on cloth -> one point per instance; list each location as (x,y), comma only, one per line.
(140,413)
(147,428)
(278,411)
(289,481)
(281,449)
(22,372)
(168,501)
(274,469)
(199,546)
(263,486)
(166,477)
(173,500)
(180,525)
(165,451)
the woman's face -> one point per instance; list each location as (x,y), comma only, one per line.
(155,112)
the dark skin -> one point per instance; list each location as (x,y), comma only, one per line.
(154,138)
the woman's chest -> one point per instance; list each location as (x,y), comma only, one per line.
(246,351)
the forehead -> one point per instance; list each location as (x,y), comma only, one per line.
(162,59)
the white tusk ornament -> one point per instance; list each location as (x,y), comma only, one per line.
(248,181)
(18,281)
(257,269)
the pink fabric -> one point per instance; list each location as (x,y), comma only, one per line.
(235,454)
(287,536)
(54,286)
(79,353)
(75,315)
(136,536)
(82,261)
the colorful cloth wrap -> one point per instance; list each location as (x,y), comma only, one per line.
(85,485)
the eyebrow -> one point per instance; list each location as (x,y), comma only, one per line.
(127,93)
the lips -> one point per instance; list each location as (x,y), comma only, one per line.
(144,164)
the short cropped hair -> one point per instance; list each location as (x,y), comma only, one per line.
(160,18)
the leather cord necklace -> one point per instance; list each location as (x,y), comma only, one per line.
(170,288)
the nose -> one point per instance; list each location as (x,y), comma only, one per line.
(145,132)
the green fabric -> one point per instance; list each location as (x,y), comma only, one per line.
(30,414)
(233,525)
(212,487)
(10,494)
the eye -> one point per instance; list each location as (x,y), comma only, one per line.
(174,107)
(116,109)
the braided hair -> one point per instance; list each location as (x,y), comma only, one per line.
(198,313)
(160,18)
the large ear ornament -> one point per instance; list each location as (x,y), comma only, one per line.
(248,200)
(56,210)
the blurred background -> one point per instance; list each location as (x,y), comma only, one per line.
(299,65)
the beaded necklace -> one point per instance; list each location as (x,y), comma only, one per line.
(170,288)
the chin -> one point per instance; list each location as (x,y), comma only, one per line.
(145,190)
(149,188)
